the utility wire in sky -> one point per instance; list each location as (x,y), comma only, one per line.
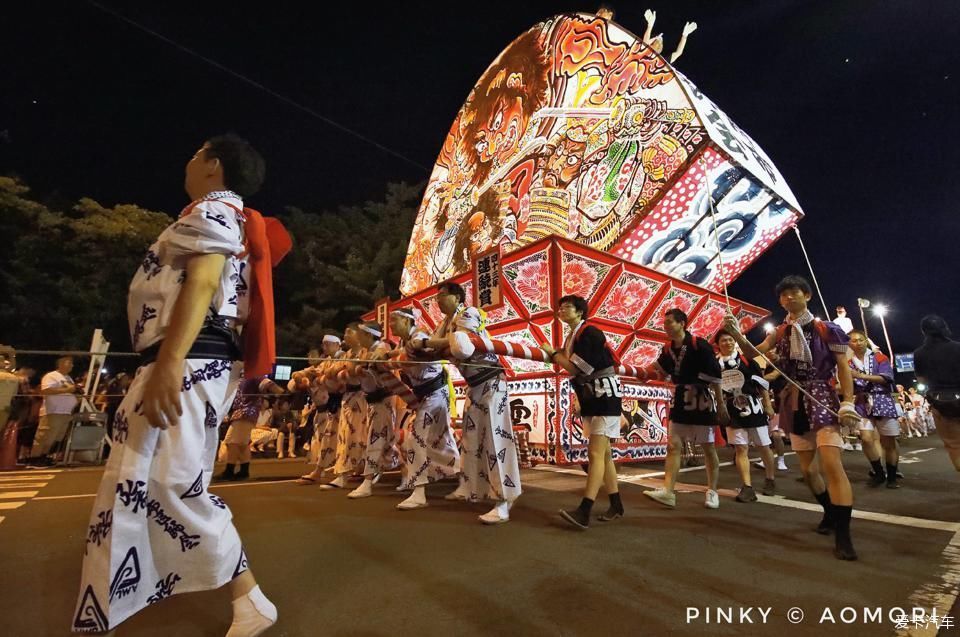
(255,84)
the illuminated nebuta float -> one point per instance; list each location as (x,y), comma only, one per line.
(580,157)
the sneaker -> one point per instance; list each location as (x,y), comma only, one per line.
(664,497)
(745,494)
(782,464)
(857,447)
(611,514)
(876,479)
(576,519)
(712,500)
(769,487)
(847,446)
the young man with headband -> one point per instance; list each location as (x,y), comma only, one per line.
(429,449)
(381,452)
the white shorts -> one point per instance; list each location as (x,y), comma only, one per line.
(697,434)
(239,432)
(756,436)
(828,436)
(885,426)
(608,426)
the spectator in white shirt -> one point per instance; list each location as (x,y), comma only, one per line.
(843,320)
(59,400)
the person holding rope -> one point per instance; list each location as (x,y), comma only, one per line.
(352,430)
(586,355)
(326,397)
(429,449)
(872,385)
(491,464)
(381,453)
(697,407)
(155,530)
(811,352)
(747,395)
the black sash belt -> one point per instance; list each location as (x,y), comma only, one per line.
(333,403)
(436,383)
(353,388)
(484,376)
(376,396)
(211,343)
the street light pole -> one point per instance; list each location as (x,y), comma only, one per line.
(881,311)
(862,303)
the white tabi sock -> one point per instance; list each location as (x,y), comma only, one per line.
(253,613)
(416,500)
(340,480)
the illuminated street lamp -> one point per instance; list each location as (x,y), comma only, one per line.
(862,303)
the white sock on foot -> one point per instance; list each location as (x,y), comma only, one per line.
(253,613)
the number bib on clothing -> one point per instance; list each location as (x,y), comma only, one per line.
(694,405)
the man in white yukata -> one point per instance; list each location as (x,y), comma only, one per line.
(381,453)
(491,465)
(326,397)
(352,428)
(429,449)
(155,530)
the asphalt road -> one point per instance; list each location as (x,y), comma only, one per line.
(347,568)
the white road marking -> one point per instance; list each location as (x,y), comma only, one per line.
(22,485)
(5,506)
(20,478)
(17,494)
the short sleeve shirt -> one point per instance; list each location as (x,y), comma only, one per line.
(211,225)
(692,368)
(599,396)
(57,403)
(744,403)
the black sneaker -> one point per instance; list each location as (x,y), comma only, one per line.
(893,484)
(576,518)
(876,479)
(769,486)
(746,494)
(611,514)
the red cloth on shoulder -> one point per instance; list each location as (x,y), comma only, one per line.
(267,243)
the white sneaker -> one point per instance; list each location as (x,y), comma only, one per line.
(782,464)
(712,501)
(857,447)
(664,497)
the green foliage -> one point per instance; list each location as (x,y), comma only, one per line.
(65,273)
(341,264)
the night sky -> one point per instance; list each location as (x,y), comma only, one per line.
(855,102)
